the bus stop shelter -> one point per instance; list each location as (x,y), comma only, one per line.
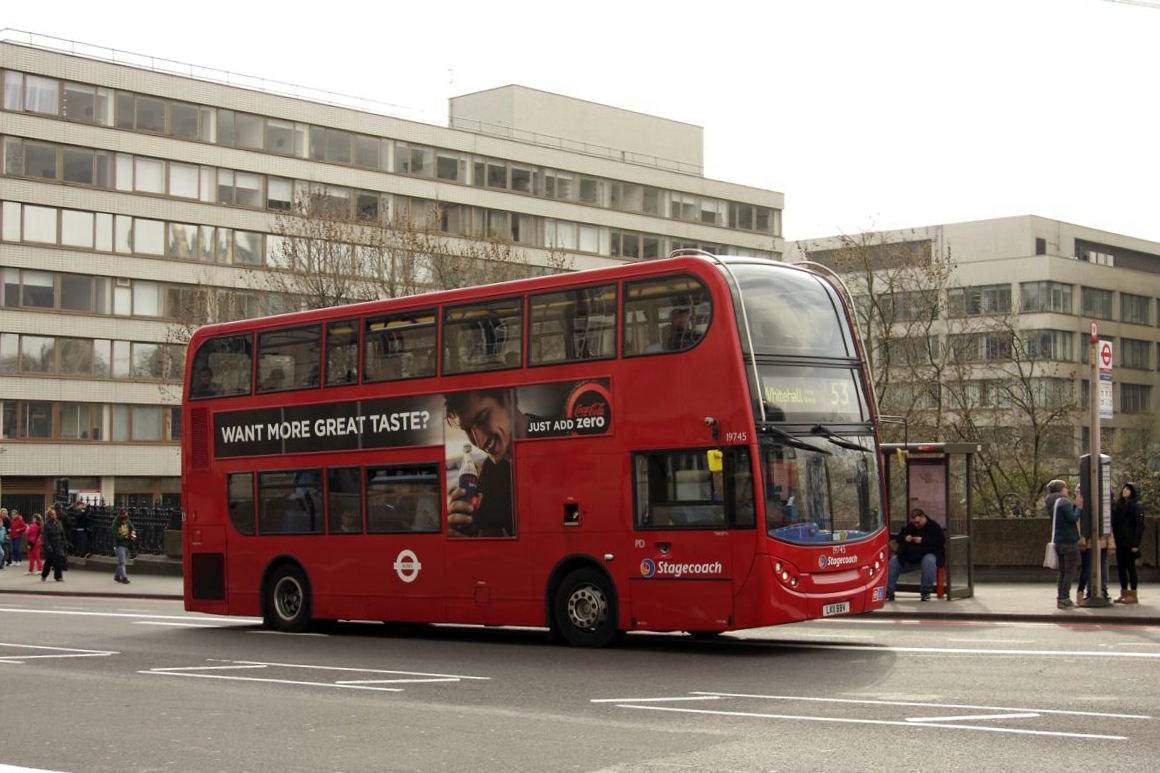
(936,477)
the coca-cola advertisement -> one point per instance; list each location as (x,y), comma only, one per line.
(481,425)
(569,408)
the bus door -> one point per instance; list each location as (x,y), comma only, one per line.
(487,562)
(693,537)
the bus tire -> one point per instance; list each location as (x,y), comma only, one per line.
(287,606)
(585,609)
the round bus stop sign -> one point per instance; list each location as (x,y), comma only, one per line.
(1105,350)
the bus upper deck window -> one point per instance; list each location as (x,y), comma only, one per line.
(221,367)
(669,314)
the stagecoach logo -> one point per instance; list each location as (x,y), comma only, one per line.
(650,568)
(407,565)
(834,561)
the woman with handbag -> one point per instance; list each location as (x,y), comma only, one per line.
(123,536)
(1128,532)
(1065,536)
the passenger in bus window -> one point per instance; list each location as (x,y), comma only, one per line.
(275,379)
(205,386)
(491,419)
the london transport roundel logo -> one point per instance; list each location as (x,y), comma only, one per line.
(407,565)
(822,561)
(647,568)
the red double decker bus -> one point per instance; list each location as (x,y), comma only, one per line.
(681,444)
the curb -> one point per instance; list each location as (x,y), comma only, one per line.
(1015,617)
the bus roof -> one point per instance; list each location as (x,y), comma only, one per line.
(694,263)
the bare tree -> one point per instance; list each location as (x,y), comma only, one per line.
(898,286)
(959,369)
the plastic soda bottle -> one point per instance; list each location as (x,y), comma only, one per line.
(469,478)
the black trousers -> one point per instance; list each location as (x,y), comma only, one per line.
(55,564)
(1126,567)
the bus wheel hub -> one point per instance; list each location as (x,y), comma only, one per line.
(587,607)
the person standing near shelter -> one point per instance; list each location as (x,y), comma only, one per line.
(16,533)
(920,546)
(1065,535)
(123,536)
(54,546)
(33,538)
(1128,531)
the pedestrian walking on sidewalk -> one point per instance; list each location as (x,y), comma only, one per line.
(1065,517)
(6,544)
(33,538)
(3,539)
(1128,532)
(123,536)
(16,533)
(54,546)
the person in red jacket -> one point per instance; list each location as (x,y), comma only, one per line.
(17,533)
(33,538)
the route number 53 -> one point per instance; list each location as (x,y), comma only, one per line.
(839,393)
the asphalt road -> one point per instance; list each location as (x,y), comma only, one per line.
(139,685)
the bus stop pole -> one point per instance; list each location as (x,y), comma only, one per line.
(1094,494)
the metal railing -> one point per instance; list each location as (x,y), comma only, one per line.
(90,532)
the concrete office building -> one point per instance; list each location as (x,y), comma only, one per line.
(125,189)
(1052,279)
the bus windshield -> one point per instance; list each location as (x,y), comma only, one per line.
(829,495)
(791,312)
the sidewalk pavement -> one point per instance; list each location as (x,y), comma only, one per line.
(156,577)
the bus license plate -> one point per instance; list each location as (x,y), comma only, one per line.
(841,608)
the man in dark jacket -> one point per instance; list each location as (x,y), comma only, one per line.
(1065,517)
(1128,531)
(920,546)
(54,547)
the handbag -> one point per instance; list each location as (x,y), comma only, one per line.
(1050,557)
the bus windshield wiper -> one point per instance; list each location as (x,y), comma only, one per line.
(818,429)
(792,441)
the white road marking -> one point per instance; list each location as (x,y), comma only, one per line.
(208,619)
(867,701)
(967,650)
(970,640)
(1028,715)
(396,677)
(179,625)
(894,723)
(287,633)
(276,681)
(56,652)
(657,700)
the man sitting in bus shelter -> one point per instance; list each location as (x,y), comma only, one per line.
(920,546)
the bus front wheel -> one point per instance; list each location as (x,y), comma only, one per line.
(287,606)
(585,609)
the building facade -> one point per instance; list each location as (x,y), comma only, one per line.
(127,191)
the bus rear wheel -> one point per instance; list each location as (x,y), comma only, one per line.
(287,606)
(585,609)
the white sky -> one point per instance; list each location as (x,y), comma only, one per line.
(865,113)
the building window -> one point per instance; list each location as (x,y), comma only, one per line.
(1136,309)
(1096,303)
(1135,354)
(1046,296)
(983,299)
(1135,398)
(1040,246)
(1049,345)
